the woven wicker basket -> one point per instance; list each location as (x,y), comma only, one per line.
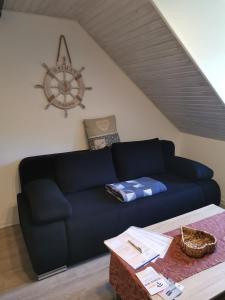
(196,243)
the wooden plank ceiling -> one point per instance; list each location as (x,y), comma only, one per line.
(133,33)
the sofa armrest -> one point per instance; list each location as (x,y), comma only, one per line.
(189,169)
(47,202)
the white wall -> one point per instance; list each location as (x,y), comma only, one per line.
(200,27)
(199,24)
(208,151)
(26,129)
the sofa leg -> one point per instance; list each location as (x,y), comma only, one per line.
(51,273)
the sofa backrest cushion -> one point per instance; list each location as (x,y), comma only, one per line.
(81,170)
(138,159)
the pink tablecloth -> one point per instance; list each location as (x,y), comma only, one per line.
(175,265)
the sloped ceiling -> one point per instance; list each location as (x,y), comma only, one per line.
(133,33)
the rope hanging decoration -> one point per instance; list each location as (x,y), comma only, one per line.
(63,85)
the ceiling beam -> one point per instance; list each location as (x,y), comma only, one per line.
(1,6)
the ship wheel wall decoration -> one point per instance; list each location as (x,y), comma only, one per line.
(63,85)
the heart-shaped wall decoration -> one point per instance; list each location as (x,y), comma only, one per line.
(103,124)
(197,243)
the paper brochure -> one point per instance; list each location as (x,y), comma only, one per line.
(138,246)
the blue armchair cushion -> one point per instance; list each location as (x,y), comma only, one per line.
(82,170)
(138,159)
(46,201)
(189,169)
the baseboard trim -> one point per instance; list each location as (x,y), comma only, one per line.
(51,273)
(8,225)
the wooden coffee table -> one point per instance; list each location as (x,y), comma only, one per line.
(208,283)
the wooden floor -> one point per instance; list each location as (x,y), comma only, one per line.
(17,281)
(15,267)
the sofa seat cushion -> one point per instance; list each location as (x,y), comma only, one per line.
(97,201)
(138,159)
(92,202)
(98,216)
(86,169)
(174,182)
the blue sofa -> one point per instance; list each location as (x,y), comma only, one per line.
(66,214)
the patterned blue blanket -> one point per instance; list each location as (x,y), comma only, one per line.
(131,190)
